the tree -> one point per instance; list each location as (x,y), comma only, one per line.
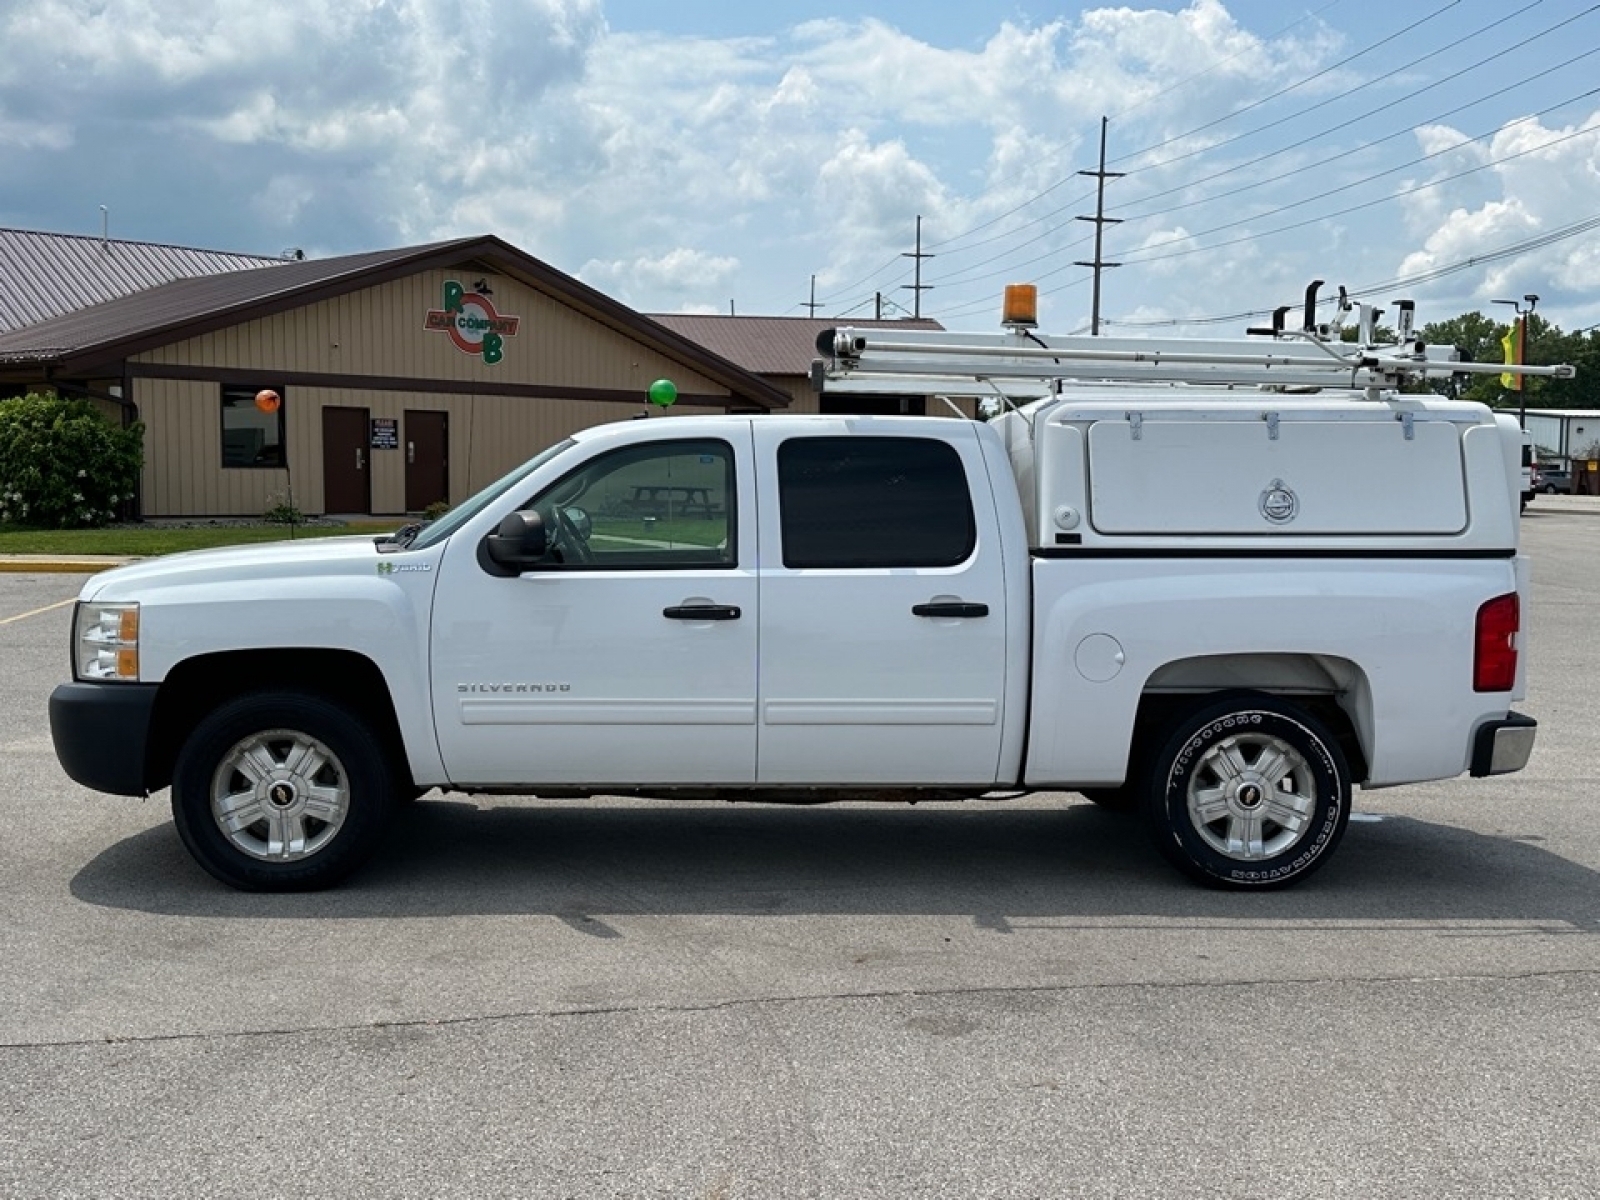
(1478,339)
(1481,339)
(1581,351)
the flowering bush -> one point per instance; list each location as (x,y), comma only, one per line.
(62,464)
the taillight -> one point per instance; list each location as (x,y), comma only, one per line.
(1494,656)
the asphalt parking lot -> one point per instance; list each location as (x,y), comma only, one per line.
(628,999)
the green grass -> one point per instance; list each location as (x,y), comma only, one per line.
(676,531)
(146,540)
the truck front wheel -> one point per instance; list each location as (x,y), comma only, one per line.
(281,791)
(1249,792)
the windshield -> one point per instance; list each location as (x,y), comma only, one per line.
(436,532)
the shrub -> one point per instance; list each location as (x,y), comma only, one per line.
(436,510)
(63,465)
(283,511)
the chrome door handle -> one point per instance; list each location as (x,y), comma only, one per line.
(360,461)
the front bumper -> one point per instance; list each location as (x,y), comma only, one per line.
(1503,746)
(101,731)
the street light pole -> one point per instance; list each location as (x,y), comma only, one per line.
(1522,353)
(1527,332)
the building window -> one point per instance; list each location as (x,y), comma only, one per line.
(252,425)
(873,502)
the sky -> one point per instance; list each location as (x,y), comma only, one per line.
(775,158)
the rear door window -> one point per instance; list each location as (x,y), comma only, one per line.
(873,502)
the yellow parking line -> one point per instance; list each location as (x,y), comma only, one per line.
(37,611)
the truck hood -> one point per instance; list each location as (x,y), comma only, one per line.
(314,557)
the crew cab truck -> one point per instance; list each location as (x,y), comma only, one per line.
(1199,599)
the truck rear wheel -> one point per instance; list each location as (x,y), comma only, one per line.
(1249,792)
(1124,799)
(281,791)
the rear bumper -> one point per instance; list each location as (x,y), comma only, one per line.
(101,731)
(1502,746)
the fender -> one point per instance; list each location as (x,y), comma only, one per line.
(1379,630)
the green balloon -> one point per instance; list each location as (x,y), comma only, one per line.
(663,392)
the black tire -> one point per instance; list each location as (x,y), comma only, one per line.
(1128,797)
(1249,792)
(314,776)
(1124,799)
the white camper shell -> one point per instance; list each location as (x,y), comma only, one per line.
(1298,441)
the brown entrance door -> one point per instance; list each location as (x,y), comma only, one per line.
(346,461)
(427,453)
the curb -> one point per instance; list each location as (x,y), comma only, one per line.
(45,564)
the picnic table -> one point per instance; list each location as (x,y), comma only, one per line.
(687,499)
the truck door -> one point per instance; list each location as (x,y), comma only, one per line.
(883,612)
(629,657)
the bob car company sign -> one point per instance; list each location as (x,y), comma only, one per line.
(472,323)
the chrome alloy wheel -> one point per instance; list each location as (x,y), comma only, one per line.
(280,795)
(1252,796)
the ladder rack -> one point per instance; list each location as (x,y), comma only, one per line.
(1021,363)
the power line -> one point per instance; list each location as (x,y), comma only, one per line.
(1323,162)
(1513,250)
(862,282)
(1229,116)
(1135,255)
(1297,84)
(1454,76)
(1251,49)
(975,272)
(1410,126)
(1142,256)
(1352,91)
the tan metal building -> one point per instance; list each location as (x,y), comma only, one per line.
(782,349)
(369,383)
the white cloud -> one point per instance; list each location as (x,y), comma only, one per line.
(377,110)
(681,170)
(1541,178)
(25,135)
(680,272)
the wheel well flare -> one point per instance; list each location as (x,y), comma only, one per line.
(199,685)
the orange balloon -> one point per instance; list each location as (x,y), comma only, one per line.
(267,400)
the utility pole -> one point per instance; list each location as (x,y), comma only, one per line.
(1100,222)
(918,287)
(811,305)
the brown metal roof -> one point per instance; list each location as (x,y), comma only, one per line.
(43,275)
(149,317)
(99,339)
(769,345)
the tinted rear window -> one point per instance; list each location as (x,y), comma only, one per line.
(873,502)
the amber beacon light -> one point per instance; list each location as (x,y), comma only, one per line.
(1021,306)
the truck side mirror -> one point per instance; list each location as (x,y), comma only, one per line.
(519,543)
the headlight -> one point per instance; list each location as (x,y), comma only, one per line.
(105,642)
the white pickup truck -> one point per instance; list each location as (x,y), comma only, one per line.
(1223,605)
